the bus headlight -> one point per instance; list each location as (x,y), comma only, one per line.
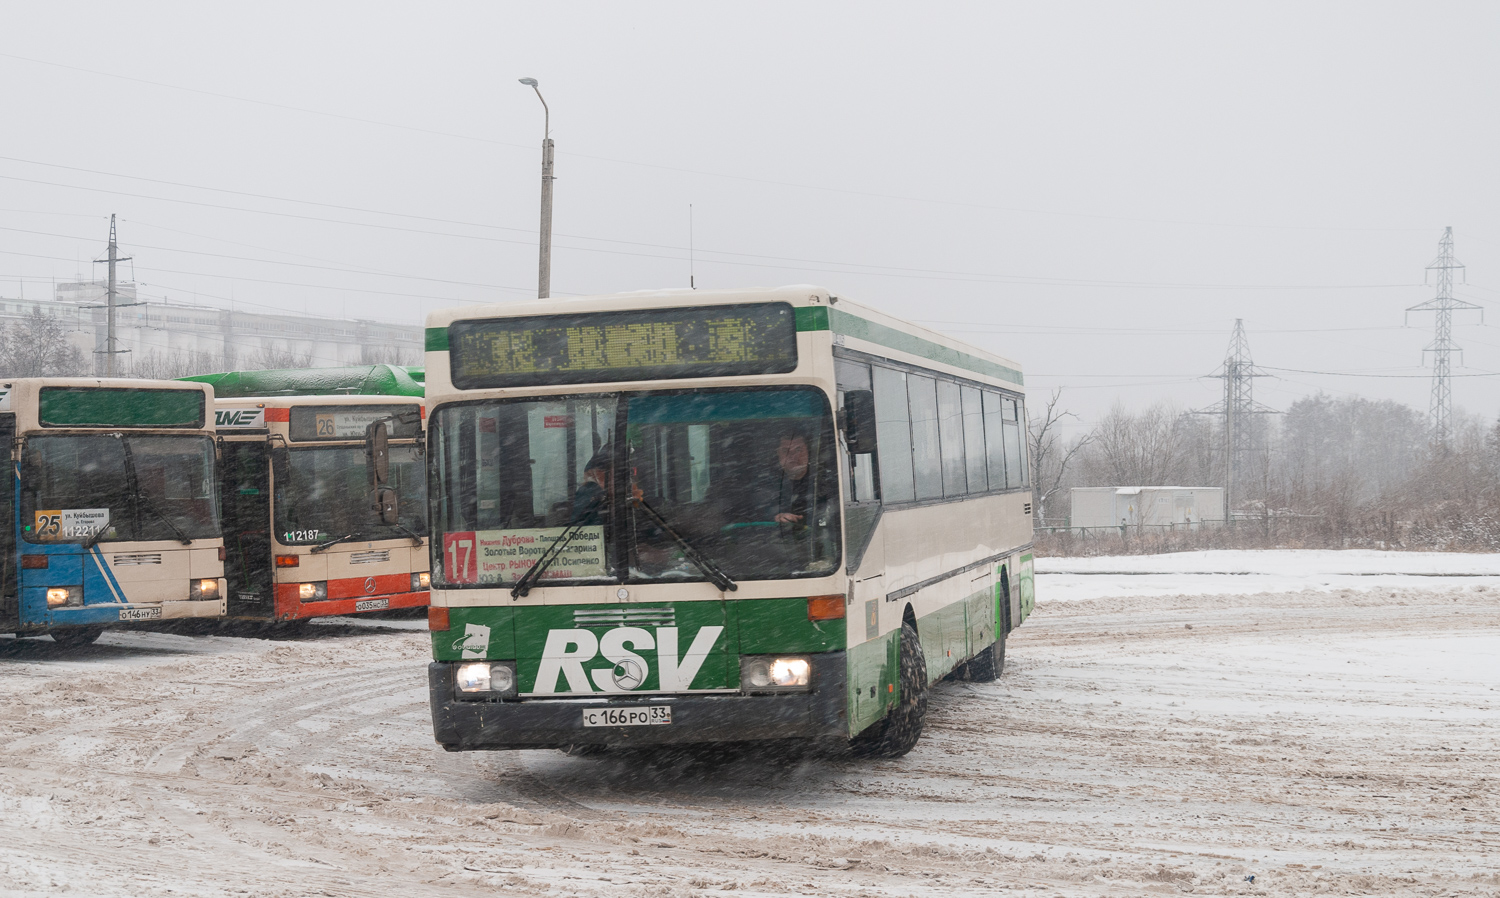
(64,596)
(203,589)
(421,581)
(313,592)
(486,679)
(769,674)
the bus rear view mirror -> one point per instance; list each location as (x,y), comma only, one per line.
(859,421)
(383,505)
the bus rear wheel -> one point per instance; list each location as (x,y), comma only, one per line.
(987,666)
(76,637)
(897,733)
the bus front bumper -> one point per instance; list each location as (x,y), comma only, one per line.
(104,615)
(461,725)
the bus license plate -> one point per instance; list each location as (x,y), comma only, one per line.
(372,604)
(152,613)
(651,715)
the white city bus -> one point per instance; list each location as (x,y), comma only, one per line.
(113,514)
(691,517)
(301,537)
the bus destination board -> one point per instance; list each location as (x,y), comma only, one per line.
(642,344)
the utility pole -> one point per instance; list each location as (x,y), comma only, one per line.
(1237,408)
(109,339)
(544,263)
(1442,345)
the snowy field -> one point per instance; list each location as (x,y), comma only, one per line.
(1239,572)
(1162,728)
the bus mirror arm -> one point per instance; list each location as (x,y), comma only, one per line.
(378,453)
(858,421)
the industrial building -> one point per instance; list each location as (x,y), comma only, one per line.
(1096,507)
(152,335)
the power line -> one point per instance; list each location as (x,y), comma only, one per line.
(1357,374)
(873,270)
(659,167)
(341,270)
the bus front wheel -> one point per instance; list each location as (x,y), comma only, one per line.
(898,731)
(75,637)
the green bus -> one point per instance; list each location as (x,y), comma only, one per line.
(687,517)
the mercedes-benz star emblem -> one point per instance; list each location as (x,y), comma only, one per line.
(369,585)
(628,674)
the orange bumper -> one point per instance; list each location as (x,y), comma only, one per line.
(355,595)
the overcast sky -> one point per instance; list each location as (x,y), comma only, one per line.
(1095,190)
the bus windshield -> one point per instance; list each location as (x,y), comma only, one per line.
(116,487)
(323,493)
(746,477)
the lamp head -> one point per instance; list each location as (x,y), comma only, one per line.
(529,82)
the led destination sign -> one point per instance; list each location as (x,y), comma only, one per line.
(642,344)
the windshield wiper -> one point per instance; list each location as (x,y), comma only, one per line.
(416,538)
(335,541)
(534,573)
(181,535)
(709,569)
(134,480)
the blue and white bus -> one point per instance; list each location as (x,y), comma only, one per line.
(113,516)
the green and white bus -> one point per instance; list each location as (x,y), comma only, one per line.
(685,517)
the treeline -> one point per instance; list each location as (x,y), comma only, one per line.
(1329,473)
(39,346)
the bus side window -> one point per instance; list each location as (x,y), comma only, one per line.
(893,435)
(861,486)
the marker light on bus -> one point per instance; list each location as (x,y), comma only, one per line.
(59,596)
(437,619)
(421,581)
(487,679)
(313,592)
(825,607)
(767,674)
(203,589)
(288,560)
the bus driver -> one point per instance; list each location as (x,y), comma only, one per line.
(799,495)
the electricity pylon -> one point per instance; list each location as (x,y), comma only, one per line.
(1237,409)
(1442,345)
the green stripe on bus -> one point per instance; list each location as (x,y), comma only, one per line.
(437,339)
(862,329)
(812,318)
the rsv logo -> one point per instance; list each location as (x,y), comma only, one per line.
(567,651)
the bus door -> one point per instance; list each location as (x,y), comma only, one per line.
(245,488)
(10,604)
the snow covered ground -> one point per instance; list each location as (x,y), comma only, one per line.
(1244,572)
(1321,737)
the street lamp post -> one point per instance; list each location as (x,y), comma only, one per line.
(544,262)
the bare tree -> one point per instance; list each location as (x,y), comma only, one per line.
(267,358)
(1145,449)
(1050,456)
(37,346)
(169,365)
(383,354)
